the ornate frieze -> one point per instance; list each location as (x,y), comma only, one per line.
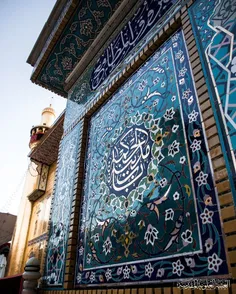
(81,93)
(148,14)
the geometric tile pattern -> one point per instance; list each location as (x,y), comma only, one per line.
(215,29)
(61,207)
(149,208)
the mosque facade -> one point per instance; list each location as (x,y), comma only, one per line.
(144,156)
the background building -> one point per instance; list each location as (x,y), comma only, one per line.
(7,223)
(144,192)
(32,221)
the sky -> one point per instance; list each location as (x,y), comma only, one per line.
(21,101)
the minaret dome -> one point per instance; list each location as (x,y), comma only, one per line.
(48,116)
(37,132)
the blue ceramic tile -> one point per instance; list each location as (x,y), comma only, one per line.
(148,213)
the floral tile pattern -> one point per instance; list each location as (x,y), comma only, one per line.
(214,25)
(81,95)
(149,209)
(80,32)
(60,219)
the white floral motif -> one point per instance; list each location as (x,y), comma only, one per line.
(206,216)
(148,270)
(182,81)
(173,148)
(196,145)
(208,244)
(182,159)
(89,257)
(163,182)
(202,179)
(107,245)
(193,116)
(126,272)
(169,214)
(156,81)
(177,267)
(186,94)
(81,250)
(169,114)
(96,237)
(175,38)
(160,272)
(142,85)
(66,63)
(108,274)
(134,269)
(173,98)
(79,278)
(187,237)
(92,277)
(182,72)
(190,262)
(175,128)
(151,235)
(176,196)
(190,100)
(164,60)
(58,235)
(179,54)
(119,270)
(214,262)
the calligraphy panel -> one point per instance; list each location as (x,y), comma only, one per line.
(149,210)
(148,14)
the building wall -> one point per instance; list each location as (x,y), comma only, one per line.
(38,227)
(217,198)
(30,237)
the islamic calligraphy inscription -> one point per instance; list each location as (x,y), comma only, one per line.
(149,13)
(128,159)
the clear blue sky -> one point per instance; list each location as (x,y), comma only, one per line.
(21,100)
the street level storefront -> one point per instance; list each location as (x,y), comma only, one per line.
(144,194)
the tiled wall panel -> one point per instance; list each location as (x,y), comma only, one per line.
(61,208)
(150,212)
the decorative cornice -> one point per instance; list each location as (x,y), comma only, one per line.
(48,37)
(125,9)
(38,239)
(78,24)
(46,32)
